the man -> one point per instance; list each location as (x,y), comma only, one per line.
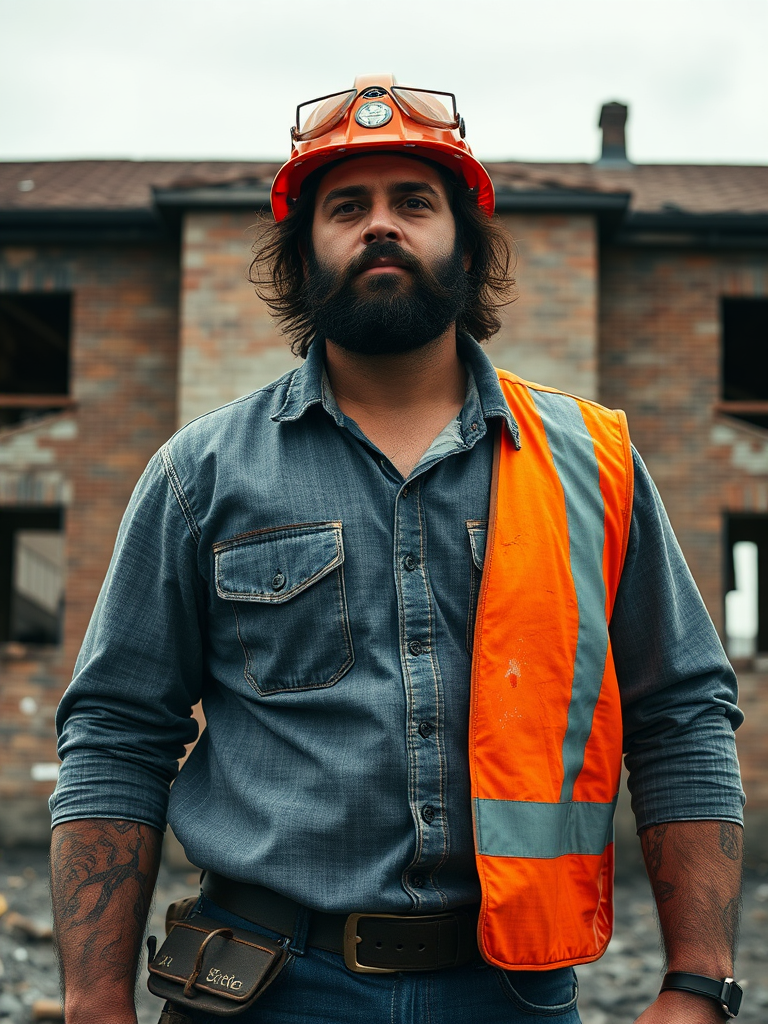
(390,577)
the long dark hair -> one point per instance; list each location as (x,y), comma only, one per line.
(277,269)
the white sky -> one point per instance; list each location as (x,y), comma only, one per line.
(220,79)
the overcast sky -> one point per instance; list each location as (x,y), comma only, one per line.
(220,79)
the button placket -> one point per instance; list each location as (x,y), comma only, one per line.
(424,710)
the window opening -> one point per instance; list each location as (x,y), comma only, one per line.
(35,332)
(746,598)
(31,576)
(745,359)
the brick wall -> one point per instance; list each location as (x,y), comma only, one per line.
(228,345)
(550,332)
(123,378)
(660,347)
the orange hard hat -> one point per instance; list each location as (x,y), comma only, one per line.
(378,115)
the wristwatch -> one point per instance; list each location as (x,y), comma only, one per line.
(724,991)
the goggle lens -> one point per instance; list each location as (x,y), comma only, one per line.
(425,106)
(316,117)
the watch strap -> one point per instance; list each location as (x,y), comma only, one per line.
(724,991)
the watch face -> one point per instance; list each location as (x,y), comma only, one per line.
(373,115)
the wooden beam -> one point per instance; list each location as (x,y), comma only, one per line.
(735,408)
(36,402)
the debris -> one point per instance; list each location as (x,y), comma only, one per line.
(3,904)
(14,921)
(47,1009)
(10,1006)
(20,955)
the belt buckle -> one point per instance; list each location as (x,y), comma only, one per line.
(352,939)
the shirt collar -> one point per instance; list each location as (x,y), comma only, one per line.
(309,386)
(306,388)
(488,389)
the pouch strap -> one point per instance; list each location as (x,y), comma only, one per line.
(190,985)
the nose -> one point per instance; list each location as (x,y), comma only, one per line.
(381,225)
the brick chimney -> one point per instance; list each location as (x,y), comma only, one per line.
(613,119)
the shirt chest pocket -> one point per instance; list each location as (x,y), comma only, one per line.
(286,587)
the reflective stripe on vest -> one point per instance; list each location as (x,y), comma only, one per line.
(545,728)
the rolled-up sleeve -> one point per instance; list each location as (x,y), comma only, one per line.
(678,689)
(125,718)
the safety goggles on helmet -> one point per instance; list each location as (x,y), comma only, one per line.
(316,117)
(378,116)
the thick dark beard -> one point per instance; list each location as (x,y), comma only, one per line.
(386,313)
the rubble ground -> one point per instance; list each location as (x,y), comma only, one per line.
(614,990)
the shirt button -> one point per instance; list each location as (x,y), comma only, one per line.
(425,728)
(417,881)
(278,581)
(416,647)
(428,813)
(410,562)
(404,492)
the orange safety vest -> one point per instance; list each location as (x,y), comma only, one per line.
(545,720)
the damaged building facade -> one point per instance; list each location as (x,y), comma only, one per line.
(125,311)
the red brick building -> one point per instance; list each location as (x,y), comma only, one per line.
(125,311)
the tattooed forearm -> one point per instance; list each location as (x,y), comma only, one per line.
(102,878)
(653,848)
(695,871)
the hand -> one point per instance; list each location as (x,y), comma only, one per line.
(674,1007)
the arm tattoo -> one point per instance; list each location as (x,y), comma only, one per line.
(730,840)
(694,870)
(653,842)
(97,868)
(653,849)
(102,878)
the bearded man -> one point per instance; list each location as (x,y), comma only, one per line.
(425,604)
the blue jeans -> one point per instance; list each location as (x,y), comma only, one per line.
(317,986)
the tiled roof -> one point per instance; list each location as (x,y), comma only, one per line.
(115,184)
(128,184)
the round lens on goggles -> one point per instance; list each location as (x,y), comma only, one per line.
(427,106)
(316,117)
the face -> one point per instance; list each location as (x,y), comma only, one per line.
(384,273)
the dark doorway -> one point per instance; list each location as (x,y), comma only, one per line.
(747,556)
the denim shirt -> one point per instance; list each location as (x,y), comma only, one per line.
(274,563)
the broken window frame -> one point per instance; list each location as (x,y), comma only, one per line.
(742,316)
(43,320)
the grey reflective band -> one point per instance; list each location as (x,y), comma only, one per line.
(573,453)
(521,828)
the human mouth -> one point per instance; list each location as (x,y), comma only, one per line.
(385,265)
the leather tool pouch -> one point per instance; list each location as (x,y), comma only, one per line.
(214,968)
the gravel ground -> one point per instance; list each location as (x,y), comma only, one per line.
(613,990)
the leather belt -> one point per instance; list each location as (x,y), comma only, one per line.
(370,943)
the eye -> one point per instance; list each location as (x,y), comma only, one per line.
(416,203)
(347,208)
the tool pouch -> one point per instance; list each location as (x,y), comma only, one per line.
(214,968)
